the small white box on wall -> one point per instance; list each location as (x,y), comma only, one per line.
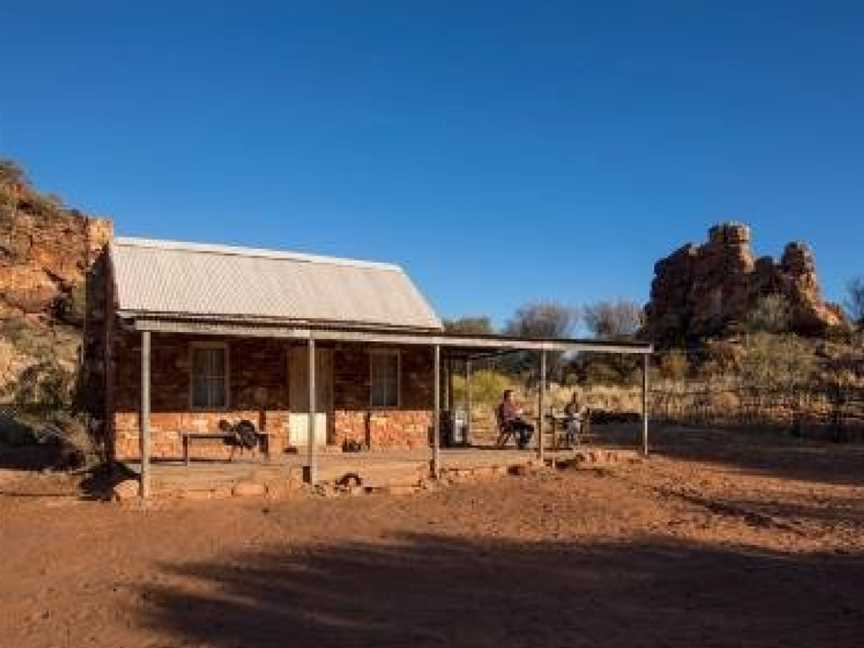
(298,429)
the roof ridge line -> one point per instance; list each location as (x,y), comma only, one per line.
(261,253)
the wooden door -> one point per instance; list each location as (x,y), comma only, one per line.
(298,395)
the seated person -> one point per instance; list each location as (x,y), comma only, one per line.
(575,414)
(510,417)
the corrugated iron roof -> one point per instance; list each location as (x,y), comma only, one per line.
(191,279)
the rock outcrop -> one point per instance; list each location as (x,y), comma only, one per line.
(46,252)
(706,290)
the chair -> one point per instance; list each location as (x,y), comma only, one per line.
(583,429)
(505,431)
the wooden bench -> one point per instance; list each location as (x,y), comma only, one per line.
(225,437)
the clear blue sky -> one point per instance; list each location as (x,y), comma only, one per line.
(503,152)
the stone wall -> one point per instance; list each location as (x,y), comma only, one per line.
(259,391)
(704,290)
(406,427)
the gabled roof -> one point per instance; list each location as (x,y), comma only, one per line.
(215,281)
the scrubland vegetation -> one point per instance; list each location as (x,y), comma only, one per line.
(762,375)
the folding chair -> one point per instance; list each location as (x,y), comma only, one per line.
(505,431)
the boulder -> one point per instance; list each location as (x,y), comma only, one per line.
(706,290)
(126,490)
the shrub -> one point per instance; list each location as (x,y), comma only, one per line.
(777,361)
(11,173)
(771,315)
(45,386)
(487,387)
(480,325)
(547,320)
(777,371)
(674,365)
(613,320)
(608,369)
(855,301)
(42,205)
(71,307)
(26,338)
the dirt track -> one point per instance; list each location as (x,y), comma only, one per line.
(719,540)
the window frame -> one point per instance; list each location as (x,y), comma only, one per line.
(397,353)
(193,346)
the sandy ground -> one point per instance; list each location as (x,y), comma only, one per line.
(720,539)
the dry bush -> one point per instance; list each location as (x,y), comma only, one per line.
(28,339)
(7,355)
(772,314)
(470,325)
(540,320)
(768,380)
(613,320)
(674,365)
(11,173)
(855,301)
(45,386)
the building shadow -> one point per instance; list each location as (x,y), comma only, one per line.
(428,590)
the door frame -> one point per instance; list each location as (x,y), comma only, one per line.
(320,377)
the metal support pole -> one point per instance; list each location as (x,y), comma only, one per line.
(436,417)
(144,423)
(450,385)
(540,394)
(467,402)
(645,405)
(310,472)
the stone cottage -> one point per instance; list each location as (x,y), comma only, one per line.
(379,396)
(182,338)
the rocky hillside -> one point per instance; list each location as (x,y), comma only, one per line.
(705,290)
(45,251)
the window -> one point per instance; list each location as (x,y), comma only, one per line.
(384,367)
(209,376)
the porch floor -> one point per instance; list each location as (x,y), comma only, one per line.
(381,469)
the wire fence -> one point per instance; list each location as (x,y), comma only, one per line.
(826,410)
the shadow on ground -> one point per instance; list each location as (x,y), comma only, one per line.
(430,590)
(756,451)
(38,475)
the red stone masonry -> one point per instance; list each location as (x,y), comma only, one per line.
(258,391)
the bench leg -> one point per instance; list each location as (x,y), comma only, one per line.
(186,450)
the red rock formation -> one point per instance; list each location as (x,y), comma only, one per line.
(705,290)
(46,252)
(43,262)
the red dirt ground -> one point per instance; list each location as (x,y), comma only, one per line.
(721,539)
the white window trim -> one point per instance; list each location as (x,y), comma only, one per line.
(387,352)
(209,345)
